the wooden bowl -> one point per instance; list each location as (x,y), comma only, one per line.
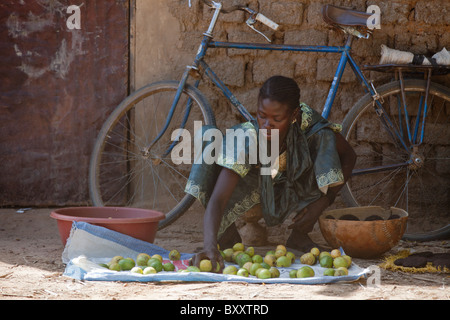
(363,232)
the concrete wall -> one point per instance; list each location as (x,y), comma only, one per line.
(57,86)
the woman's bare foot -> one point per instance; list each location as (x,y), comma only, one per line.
(301,242)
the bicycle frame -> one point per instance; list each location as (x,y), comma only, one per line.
(413,137)
(207,42)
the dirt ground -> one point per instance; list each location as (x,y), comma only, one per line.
(31,269)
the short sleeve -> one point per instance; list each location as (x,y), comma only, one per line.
(327,165)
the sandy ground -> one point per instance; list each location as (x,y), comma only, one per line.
(31,268)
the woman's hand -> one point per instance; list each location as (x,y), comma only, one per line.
(305,220)
(213,255)
(225,184)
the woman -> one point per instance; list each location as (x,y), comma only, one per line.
(314,163)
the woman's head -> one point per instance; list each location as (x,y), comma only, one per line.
(281,89)
(278,103)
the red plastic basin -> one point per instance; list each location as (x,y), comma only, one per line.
(141,224)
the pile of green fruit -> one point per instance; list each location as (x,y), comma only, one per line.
(335,263)
(245,263)
(144,264)
(254,264)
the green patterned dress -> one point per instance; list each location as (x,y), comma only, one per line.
(306,169)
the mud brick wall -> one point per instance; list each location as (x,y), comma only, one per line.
(57,85)
(418,26)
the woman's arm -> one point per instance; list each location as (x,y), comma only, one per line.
(347,157)
(225,185)
(305,220)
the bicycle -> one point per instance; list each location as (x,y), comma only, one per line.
(394,140)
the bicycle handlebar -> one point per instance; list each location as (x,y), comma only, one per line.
(256,15)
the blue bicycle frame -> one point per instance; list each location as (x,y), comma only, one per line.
(343,50)
(345,58)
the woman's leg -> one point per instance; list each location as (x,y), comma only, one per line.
(300,241)
(229,237)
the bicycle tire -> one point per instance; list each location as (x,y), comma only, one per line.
(370,139)
(118,167)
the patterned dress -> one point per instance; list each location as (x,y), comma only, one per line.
(300,175)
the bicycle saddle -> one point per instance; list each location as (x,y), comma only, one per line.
(344,17)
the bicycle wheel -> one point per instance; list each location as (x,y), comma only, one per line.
(124,172)
(415,178)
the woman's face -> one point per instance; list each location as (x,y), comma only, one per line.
(274,115)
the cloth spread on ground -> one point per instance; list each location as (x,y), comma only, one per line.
(89,245)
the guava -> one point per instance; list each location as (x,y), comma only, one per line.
(340,262)
(242,259)
(168,266)
(247,265)
(282,248)
(265,265)
(335,253)
(274,272)
(283,262)
(205,265)
(157,256)
(238,247)
(149,270)
(341,271)
(308,258)
(270,259)
(115,259)
(305,272)
(155,263)
(126,264)
(291,256)
(192,269)
(250,251)
(328,272)
(315,252)
(324,253)
(136,270)
(349,260)
(257,258)
(279,253)
(230,270)
(255,266)
(174,255)
(263,273)
(114,266)
(293,273)
(235,255)
(228,254)
(142,259)
(242,272)
(326,261)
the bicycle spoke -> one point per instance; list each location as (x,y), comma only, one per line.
(420,182)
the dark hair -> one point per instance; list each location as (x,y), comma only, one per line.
(281,89)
